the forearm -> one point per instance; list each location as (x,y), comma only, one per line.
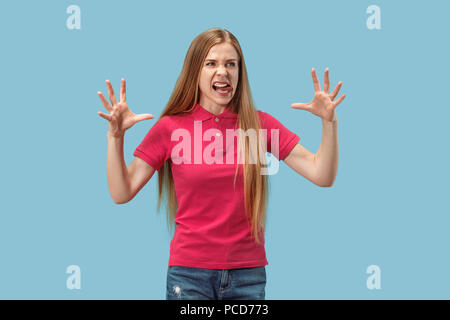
(326,159)
(117,170)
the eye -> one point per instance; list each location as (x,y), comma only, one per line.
(231,63)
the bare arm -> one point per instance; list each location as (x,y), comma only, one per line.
(124,183)
(302,161)
(319,168)
(139,173)
(117,171)
(328,154)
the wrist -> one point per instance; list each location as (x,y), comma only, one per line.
(334,120)
(116,136)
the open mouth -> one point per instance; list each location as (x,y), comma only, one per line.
(222,90)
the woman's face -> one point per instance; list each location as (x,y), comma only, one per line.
(221,65)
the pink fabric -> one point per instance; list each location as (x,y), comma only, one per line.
(211,228)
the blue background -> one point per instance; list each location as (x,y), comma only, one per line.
(388,206)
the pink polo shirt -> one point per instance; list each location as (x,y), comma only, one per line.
(211,228)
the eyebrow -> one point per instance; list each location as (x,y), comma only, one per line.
(216,60)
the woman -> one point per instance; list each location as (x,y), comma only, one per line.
(217,194)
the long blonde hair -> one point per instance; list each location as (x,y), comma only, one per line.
(186,95)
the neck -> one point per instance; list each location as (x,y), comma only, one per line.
(215,109)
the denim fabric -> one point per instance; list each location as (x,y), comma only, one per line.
(186,283)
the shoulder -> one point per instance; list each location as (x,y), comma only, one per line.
(167,123)
(265,115)
(267,120)
(262,115)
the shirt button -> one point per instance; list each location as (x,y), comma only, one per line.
(217,119)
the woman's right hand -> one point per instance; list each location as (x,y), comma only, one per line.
(120,118)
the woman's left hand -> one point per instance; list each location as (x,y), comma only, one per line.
(322,104)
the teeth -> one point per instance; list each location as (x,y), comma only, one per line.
(220,85)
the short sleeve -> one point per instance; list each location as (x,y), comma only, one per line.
(154,149)
(284,139)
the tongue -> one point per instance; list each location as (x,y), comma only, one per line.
(223,88)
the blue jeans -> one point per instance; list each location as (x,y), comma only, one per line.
(188,283)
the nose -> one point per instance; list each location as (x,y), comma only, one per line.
(221,69)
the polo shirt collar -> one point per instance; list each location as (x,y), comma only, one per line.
(201,113)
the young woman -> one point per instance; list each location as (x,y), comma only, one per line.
(210,164)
